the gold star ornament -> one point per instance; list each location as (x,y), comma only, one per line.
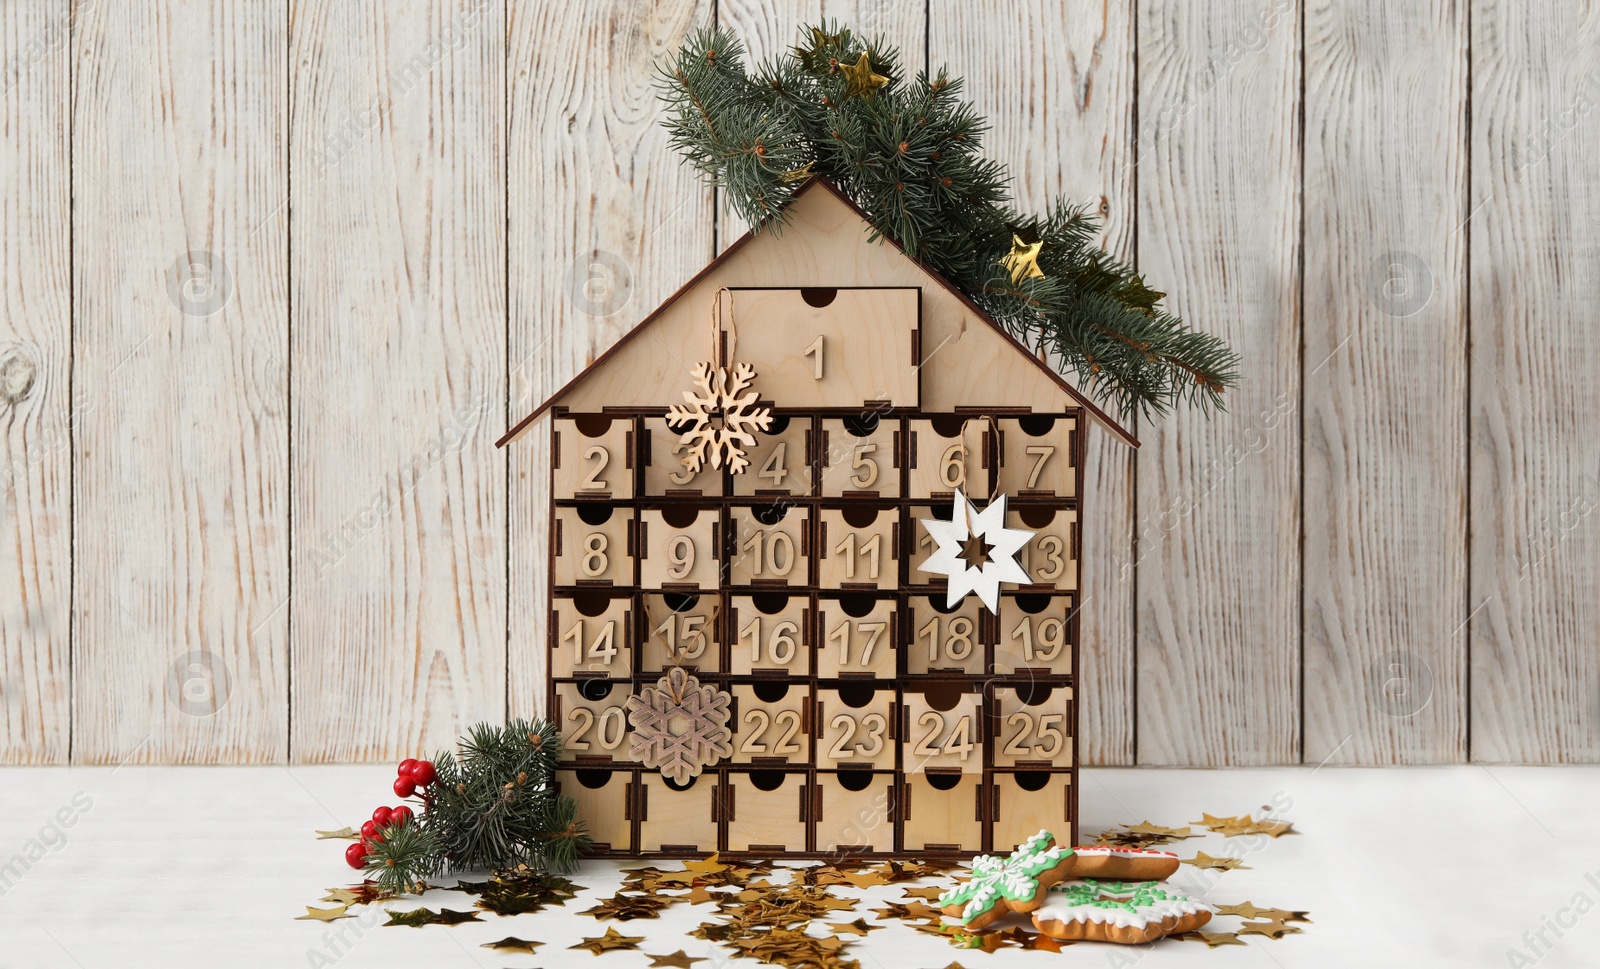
(861,77)
(1022,262)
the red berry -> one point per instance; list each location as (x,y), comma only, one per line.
(383,816)
(423,773)
(370,832)
(407,766)
(356,856)
(400,815)
(404,787)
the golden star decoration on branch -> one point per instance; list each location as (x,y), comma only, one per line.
(861,77)
(1022,262)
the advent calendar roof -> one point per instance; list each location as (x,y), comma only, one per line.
(966,358)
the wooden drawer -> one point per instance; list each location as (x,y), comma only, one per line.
(945,640)
(679,548)
(1034,726)
(664,471)
(1035,634)
(860,457)
(858,548)
(922,546)
(828,347)
(769,545)
(771,724)
(604,798)
(1027,802)
(1051,557)
(855,728)
(780,463)
(1037,457)
(770,635)
(766,810)
(593,456)
(593,718)
(943,728)
(947,452)
(591,634)
(593,546)
(680,629)
(942,812)
(854,811)
(674,817)
(857,636)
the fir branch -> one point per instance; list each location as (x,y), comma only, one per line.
(909,154)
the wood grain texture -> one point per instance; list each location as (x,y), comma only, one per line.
(769,28)
(604,224)
(1217,531)
(180,506)
(399,263)
(1535,403)
(1385,319)
(1062,116)
(35,395)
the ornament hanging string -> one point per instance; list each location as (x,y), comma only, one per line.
(720,352)
(967,450)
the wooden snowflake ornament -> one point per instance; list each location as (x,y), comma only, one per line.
(722,418)
(679,726)
(969,535)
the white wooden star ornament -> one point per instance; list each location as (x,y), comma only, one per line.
(999,553)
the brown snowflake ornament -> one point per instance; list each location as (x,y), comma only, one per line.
(679,726)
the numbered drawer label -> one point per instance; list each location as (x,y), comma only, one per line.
(591,634)
(944,729)
(594,546)
(594,720)
(771,634)
(1037,455)
(1051,556)
(771,723)
(945,640)
(1027,802)
(923,545)
(664,470)
(593,457)
(948,452)
(770,545)
(679,548)
(766,810)
(856,727)
(854,811)
(860,457)
(1035,635)
(857,637)
(681,629)
(859,548)
(1035,724)
(780,463)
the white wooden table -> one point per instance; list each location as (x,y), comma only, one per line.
(206,867)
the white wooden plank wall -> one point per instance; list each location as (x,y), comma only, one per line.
(277,274)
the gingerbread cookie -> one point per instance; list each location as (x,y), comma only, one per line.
(1122,864)
(1016,883)
(1116,911)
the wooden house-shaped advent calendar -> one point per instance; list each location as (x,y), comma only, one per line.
(845,706)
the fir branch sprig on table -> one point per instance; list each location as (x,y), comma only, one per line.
(907,151)
(492,805)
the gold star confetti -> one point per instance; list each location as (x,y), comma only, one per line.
(1211,939)
(513,944)
(611,940)
(1203,860)
(324,914)
(347,834)
(678,960)
(1272,930)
